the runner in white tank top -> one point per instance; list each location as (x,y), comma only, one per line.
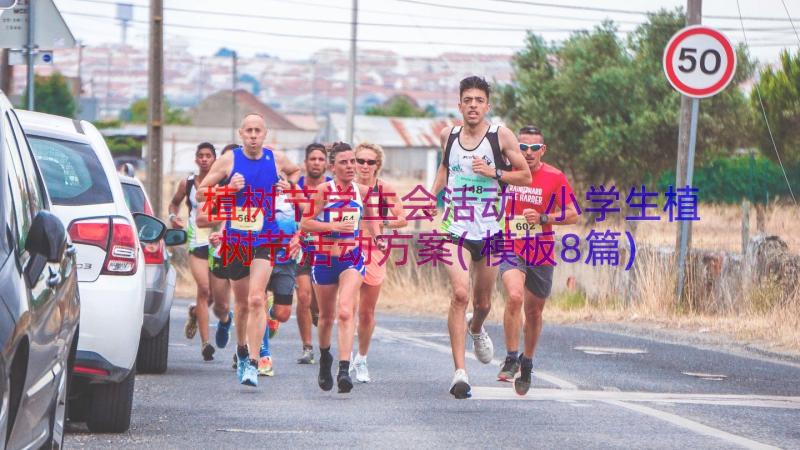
(475,158)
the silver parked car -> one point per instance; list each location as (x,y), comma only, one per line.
(154,344)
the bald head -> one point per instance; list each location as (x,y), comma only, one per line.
(253,117)
(253,132)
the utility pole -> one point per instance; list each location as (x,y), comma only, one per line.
(687,138)
(31,53)
(155,129)
(351,88)
(6,74)
(234,112)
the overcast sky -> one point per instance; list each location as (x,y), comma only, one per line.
(256,26)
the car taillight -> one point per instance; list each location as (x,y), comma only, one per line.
(121,257)
(90,232)
(115,236)
(154,253)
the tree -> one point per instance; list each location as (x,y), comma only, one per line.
(780,92)
(138,113)
(606,109)
(397,106)
(52,95)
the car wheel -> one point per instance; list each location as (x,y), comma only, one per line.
(153,352)
(110,406)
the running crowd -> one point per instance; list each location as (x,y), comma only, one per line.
(489,161)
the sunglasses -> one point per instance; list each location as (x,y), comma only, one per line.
(370,162)
(534,147)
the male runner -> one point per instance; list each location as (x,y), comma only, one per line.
(315,163)
(251,232)
(530,277)
(474,170)
(205,155)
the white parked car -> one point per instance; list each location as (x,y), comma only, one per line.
(86,195)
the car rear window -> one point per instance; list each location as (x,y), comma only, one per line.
(134,197)
(72,172)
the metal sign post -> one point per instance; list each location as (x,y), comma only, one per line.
(699,62)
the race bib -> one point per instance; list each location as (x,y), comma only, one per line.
(254,221)
(477,185)
(350,216)
(520,227)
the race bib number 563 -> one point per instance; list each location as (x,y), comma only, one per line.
(248,222)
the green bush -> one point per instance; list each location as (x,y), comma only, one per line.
(731,179)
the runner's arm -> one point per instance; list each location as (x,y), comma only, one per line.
(397,207)
(175,205)
(219,171)
(509,145)
(203,220)
(311,224)
(372,227)
(441,173)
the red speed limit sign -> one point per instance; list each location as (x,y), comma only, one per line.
(699,61)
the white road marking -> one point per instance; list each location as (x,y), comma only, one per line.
(696,427)
(706,376)
(236,430)
(567,387)
(610,350)
(757,401)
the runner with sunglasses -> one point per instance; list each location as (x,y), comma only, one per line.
(529,280)
(369,158)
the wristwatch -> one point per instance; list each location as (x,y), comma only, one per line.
(498,174)
(543,219)
(385,222)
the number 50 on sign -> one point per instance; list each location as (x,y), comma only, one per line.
(699,61)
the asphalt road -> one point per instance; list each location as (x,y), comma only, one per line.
(593,389)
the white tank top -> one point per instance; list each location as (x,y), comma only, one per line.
(467,216)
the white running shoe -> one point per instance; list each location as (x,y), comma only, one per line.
(482,343)
(360,368)
(460,387)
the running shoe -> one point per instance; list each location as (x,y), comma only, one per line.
(241,365)
(360,368)
(523,382)
(208,352)
(344,382)
(265,366)
(224,331)
(460,387)
(272,324)
(509,369)
(482,343)
(308,356)
(190,329)
(250,375)
(325,378)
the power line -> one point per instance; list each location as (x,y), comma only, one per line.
(790,21)
(339,22)
(766,120)
(630,12)
(305,36)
